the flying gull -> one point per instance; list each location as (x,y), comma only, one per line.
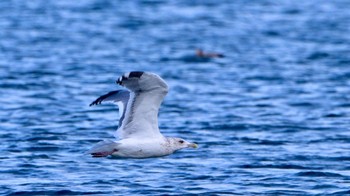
(138,131)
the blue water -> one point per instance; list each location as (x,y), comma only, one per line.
(271,118)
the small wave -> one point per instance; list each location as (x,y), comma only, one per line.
(286,192)
(60,192)
(332,115)
(261,142)
(46,148)
(282,166)
(318,55)
(340,193)
(318,174)
(40,138)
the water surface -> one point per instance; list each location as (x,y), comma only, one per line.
(271,118)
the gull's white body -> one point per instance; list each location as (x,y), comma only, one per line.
(135,148)
(138,126)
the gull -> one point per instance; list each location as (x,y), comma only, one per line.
(138,134)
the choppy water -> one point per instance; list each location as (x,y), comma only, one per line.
(271,118)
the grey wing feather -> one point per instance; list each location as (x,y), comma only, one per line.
(121,97)
(147,93)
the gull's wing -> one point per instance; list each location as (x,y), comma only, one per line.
(120,97)
(141,116)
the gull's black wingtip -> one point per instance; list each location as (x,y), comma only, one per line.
(126,76)
(97,101)
(136,74)
(93,103)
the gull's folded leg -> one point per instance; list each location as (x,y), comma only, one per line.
(101,154)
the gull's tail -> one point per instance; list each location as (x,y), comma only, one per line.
(103,148)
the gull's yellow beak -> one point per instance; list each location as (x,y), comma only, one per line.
(193,145)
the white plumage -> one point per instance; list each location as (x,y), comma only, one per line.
(138,132)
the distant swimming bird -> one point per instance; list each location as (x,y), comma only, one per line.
(200,53)
(138,125)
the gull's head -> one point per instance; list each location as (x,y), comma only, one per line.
(179,143)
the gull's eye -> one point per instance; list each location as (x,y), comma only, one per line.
(181,141)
